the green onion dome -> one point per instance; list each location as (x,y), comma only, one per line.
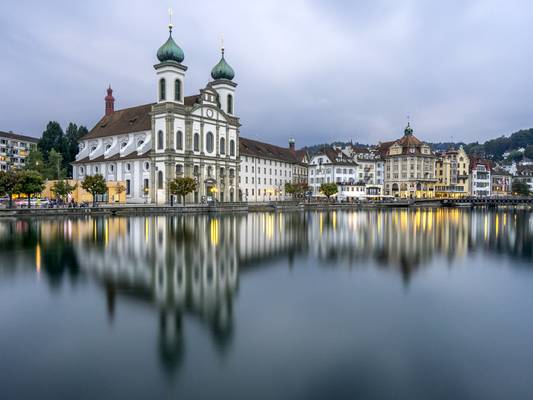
(222,70)
(170,51)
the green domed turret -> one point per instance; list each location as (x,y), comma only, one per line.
(222,70)
(170,51)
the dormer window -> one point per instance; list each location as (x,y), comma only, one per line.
(140,143)
(107,147)
(93,149)
(123,144)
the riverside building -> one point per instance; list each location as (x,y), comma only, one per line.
(452,170)
(14,149)
(147,146)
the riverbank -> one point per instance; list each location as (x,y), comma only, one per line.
(143,209)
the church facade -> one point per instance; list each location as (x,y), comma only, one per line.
(147,146)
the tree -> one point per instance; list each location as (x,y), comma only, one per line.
(95,185)
(72,136)
(29,183)
(529,151)
(8,185)
(515,156)
(62,188)
(182,187)
(519,187)
(328,189)
(54,166)
(296,189)
(52,138)
(35,161)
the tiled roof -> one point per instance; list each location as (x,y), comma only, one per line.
(476,160)
(133,119)
(16,136)
(254,148)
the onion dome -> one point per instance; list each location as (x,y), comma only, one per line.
(170,51)
(408,130)
(222,70)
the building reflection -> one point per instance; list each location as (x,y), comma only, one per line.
(188,268)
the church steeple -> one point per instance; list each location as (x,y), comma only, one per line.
(408,130)
(109,102)
(170,51)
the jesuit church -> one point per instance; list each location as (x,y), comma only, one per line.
(148,145)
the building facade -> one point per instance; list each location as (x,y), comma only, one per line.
(409,167)
(147,146)
(524,173)
(480,177)
(265,169)
(331,166)
(452,172)
(501,182)
(14,149)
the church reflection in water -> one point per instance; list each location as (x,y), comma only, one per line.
(190,265)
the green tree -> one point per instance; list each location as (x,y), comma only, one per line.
(35,161)
(515,156)
(54,166)
(296,189)
(328,189)
(529,151)
(520,188)
(8,184)
(62,189)
(52,138)
(95,185)
(29,183)
(182,187)
(72,136)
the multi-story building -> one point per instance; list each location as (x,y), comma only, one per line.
(265,169)
(524,173)
(14,149)
(149,145)
(452,172)
(501,182)
(480,180)
(331,166)
(409,167)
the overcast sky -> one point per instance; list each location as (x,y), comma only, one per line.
(318,70)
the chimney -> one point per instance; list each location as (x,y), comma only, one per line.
(291,144)
(109,102)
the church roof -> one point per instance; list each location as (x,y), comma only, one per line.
(131,156)
(127,120)
(254,148)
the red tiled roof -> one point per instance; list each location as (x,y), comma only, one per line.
(254,148)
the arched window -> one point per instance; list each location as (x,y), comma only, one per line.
(196,142)
(160,140)
(232,147)
(162,89)
(179,140)
(160,180)
(209,142)
(222,146)
(177,90)
(179,169)
(230,104)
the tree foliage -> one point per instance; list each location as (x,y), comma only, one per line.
(29,183)
(95,185)
(520,188)
(328,189)
(35,161)
(62,188)
(8,184)
(296,189)
(182,186)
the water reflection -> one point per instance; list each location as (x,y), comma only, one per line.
(190,266)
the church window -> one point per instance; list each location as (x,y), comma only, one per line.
(162,90)
(160,140)
(146,166)
(232,147)
(128,167)
(209,142)
(128,187)
(160,180)
(196,142)
(179,140)
(177,90)
(209,171)
(230,104)
(222,146)
(179,169)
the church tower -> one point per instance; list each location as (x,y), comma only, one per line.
(170,72)
(223,83)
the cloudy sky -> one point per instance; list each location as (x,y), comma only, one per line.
(318,70)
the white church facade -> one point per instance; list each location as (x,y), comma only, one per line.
(149,145)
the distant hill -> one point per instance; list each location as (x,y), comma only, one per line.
(492,149)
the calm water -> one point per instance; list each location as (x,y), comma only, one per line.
(419,304)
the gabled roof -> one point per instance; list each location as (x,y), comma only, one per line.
(336,156)
(133,119)
(16,136)
(255,148)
